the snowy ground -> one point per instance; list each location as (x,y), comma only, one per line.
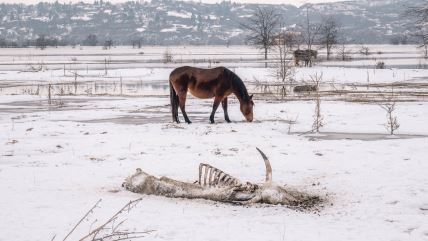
(57,160)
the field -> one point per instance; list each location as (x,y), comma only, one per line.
(75,122)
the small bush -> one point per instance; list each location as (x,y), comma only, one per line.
(380,65)
(167,56)
(365,50)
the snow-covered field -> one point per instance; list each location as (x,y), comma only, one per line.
(142,72)
(57,160)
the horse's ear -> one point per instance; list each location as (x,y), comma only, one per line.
(251,96)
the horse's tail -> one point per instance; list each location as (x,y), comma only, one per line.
(174,101)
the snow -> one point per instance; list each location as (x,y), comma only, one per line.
(377,188)
(165,30)
(83,18)
(179,14)
(57,160)
(212,17)
(142,29)
(42,19)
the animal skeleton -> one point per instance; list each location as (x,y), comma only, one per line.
(214,184)
(216,177)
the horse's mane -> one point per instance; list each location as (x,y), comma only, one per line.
(237,84)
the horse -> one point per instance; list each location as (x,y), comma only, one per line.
(217,83)
(305,55)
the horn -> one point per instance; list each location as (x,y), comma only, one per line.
(268,166)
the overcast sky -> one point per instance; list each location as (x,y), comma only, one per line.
(295,2)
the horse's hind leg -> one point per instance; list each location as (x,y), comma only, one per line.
(224,105)
(174,102)
(182,104)
(217,101)
(175,110)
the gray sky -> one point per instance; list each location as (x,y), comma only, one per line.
(295,2)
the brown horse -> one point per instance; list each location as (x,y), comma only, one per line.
(217,83)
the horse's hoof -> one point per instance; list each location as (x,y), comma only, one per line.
(189,122)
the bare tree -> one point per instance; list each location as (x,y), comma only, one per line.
(310,31)
(329,34)
(261,28)
(291,39)
(284,70)
(167,56)
(136,43)
(41,42)
(392,124)
(390,106)
(108,44)
(344,53)
(91,40)
(364,50)
(318,118)
(421,35)
(420,16)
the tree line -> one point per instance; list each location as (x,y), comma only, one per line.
(265,29)
(43,41)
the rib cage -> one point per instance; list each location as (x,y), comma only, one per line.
(213,177)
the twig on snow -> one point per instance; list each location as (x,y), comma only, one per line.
(83,218)
(96,231)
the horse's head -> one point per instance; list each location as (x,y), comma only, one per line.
(247,108)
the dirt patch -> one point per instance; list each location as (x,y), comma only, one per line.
(310,204)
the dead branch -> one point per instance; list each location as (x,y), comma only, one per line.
(80,221)
(96,231)
(122,236)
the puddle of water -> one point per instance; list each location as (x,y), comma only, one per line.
(64,104)
(335,136)
(397,66)
(116,88)
(142,120)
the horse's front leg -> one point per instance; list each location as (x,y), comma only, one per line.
(217,101)
(224,105)
(182,104)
